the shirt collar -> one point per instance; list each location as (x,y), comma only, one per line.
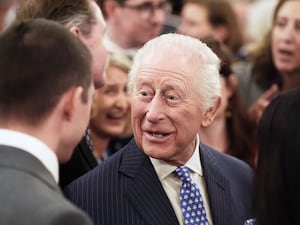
(114,48)
(163,169)
(33,146)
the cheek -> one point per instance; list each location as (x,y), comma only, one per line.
(274,42)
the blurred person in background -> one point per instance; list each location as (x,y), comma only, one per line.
(204,18)
(111,108)
(84,19)
(275,66)
(232,131)
(131,23)
(7,12)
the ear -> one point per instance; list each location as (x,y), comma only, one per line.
(231,84)
(211,113)
(72,101)
(76,31)
(109,8)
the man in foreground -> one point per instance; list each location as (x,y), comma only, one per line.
(46,91)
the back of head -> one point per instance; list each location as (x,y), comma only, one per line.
(40,61)
(190,53)
(66,12)
(277,186)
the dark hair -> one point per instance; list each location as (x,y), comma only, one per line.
(40,61)
(240,129)
(221,13)
(66,12)
(264,69)
(277,183)
(102,2)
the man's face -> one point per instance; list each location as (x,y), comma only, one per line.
(194,21)
(165,108)
(94,43)
(139,20)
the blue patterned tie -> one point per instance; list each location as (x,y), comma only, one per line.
(190,199)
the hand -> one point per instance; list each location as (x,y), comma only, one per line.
(256,110)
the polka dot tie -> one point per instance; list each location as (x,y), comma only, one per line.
(190,199)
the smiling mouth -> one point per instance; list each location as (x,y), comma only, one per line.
(116,116)
(157,135)
(285,53)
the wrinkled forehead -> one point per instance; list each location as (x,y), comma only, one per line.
(169,58)
(164,68)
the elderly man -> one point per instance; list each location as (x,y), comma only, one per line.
(84,19)
(46,93)
(165,175)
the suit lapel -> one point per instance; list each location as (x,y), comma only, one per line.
(217,187)
(145,191)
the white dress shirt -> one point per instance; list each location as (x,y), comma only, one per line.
(33,146)
(171,183)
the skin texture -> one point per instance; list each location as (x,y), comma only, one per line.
(165,112)
(111,104)
(138,27)
(94,43)
(195,21)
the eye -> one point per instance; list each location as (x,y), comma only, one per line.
(110,91)
(171,97)
(147,6)
(280,23)
(143,93)
(297,26)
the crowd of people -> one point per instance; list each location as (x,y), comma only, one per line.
(130,112)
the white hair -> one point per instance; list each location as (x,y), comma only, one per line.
(203,60)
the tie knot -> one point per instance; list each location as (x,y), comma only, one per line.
(183,173)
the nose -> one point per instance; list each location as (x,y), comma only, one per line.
(154,110)
(158,15)
(123,101)
(288,33)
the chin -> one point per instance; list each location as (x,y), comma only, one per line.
(154,152)
(64,158)
(65,152)
(115,132)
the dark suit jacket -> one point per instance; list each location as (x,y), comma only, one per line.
(29,194)
(125,190)
(81,162)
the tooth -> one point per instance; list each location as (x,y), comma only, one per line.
(157,135)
